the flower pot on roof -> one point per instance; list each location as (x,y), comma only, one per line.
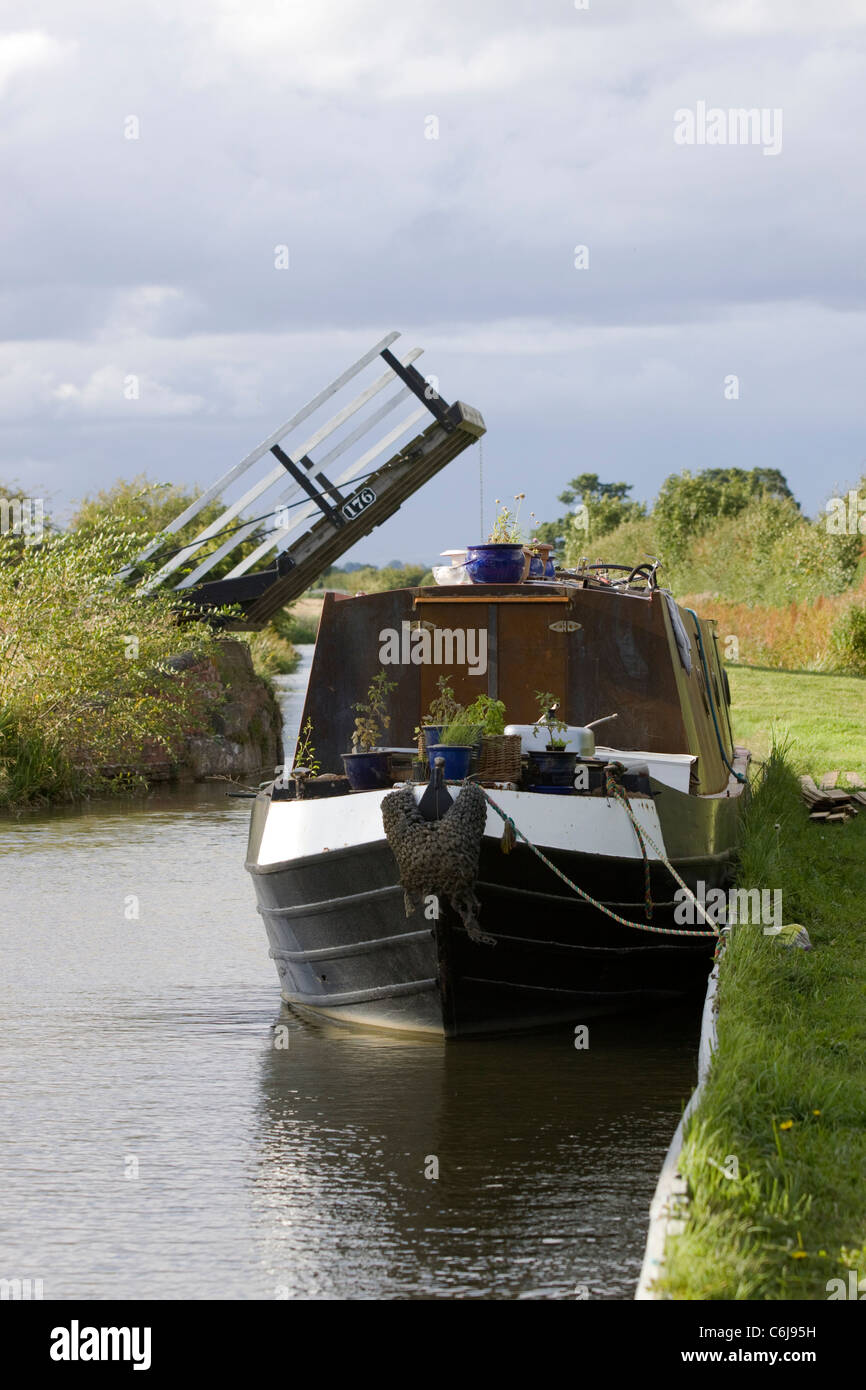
(540,563)
(368,766)
(502,558)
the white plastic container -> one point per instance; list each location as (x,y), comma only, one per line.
(672,769)
(532,742)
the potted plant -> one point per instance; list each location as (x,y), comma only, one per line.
(456,745)
(443,709)
(501,559)
(488,713)
(307,777)
(368,766)
(540,563)
(551,769)
(500,754)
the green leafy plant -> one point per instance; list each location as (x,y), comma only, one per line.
(272,654)
(488,713)
(373,716)
(547,718)
(443,708)
(91,681)
(305,753)
(460,733)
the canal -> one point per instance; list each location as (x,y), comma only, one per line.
(169,1131)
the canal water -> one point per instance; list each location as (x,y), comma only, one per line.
(168,1130)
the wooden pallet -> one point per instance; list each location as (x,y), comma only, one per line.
(830,803)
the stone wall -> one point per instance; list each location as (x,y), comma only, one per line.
(242,734)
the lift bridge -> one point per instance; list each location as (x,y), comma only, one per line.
(310,520)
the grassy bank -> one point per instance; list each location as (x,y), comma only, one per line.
(786,1096)
(821,717)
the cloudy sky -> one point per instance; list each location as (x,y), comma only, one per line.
(266,123)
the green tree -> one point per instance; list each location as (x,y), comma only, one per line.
(607,505)
(688,503)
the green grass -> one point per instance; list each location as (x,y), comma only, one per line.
(792,1029)
(297,624)
(822,717)
(32,768)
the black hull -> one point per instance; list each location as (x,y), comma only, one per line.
(345,950)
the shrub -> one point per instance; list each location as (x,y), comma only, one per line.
(627,544)
(87,680)
(272,654)
(371,580)
(143,508)
(848,640)
(295,627)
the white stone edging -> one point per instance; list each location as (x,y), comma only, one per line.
(669,1205)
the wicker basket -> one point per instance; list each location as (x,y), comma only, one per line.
(500,758)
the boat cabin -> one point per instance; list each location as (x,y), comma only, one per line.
(602,649)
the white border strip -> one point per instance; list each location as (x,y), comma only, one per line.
(669,1205)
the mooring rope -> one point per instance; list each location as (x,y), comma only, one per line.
(641,834)
(613,788)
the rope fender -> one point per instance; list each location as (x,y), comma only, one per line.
(439,858)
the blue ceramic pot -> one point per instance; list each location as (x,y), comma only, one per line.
(456,759)
(367,772)
(494,563)
(432,734)
(550,568)
(536,568)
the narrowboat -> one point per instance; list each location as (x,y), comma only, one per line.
(577,884)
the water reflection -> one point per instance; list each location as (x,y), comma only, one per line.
(547,1158)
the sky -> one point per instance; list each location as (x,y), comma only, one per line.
(432,169)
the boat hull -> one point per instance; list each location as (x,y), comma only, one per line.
(345,949)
